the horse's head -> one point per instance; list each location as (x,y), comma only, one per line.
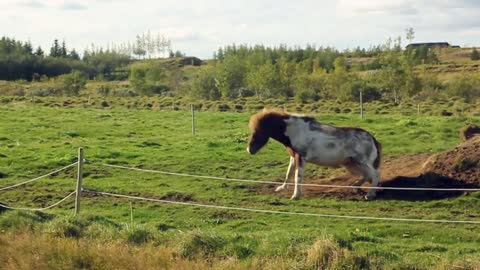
(258,139)
(264,125)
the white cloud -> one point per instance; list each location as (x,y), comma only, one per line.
(199,27)
(354,7)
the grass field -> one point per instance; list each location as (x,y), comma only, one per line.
(36,139)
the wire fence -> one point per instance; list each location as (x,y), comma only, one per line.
(33,180)
(38,178)
(282,212)
(80,189)
(281,183)
(42,208)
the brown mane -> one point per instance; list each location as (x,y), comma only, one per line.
(257,119)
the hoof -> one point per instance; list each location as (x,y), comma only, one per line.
(370,197)
(360,191)
(280,188)
(295,197)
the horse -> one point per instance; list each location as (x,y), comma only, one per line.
(307,140)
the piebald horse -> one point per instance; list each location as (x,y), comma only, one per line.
(307,140)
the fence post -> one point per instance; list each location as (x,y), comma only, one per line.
(418,109)
(78,192)
(361,104)
(193,119)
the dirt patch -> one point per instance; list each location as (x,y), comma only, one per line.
(456,168)
(462,162)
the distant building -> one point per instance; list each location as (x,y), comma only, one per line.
(190,61)
(429,45)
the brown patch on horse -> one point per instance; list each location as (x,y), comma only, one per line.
(271,123)
(258,120)
(290,151)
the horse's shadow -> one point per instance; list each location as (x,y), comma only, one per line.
(427,180)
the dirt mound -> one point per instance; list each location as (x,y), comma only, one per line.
(469,132)
(456,168)
(461,163)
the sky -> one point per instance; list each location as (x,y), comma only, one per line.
(200,27)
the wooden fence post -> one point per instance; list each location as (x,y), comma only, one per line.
(361,105)
(78,192)
(193,119)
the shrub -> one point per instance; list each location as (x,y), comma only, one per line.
(201,244)
(73,82)
(147,78)
(104,90)
(326,253)
(20,220)
(139,236)
(475,55)
(465,86)
(305,96)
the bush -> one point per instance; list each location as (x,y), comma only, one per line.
(139,236)
(124,92)
(73,82)
(147,78)
(200,244)
(305,96)
(465,86)
(47,91)
(205,86)
(475,55)
(20,220)
(326,253)
(104,90)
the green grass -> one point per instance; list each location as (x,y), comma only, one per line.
(36,140)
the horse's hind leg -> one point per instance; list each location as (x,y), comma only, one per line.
(354,168)
(368,172)
(372,174)
(289,174)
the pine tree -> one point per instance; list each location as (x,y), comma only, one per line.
(39,52)
(74,55)
(27,47)
(63,50)
(55,50)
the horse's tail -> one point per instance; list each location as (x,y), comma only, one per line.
(377,161)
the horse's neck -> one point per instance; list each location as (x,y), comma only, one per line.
(278,129)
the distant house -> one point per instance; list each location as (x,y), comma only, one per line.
(429,45)
(190,61)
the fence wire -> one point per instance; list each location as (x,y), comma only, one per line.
(281,183)
(38,209)
(283,212)
(38,178)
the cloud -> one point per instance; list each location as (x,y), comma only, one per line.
(33,4)
(199,27)
(73,6)
(379,7)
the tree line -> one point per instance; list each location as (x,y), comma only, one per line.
(20,60)
(313,73)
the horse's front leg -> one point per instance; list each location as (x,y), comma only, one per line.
(289,174)
(300,167)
